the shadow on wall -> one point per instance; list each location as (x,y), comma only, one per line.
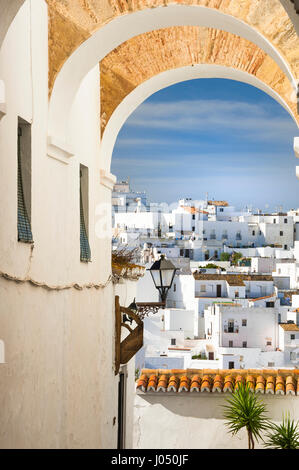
(207,405)
(195,422)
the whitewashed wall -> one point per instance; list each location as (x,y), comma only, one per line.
(200,415)
(57,388)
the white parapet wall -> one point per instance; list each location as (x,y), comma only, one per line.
(159,420)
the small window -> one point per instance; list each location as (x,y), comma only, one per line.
(193,216)
(260,232)
(236,294)
(24,182)
(193,229)
(292,336)
(285,221)
(203,288)
(285,247)
(274,221)
(269,343)
(221,209)
(230,344)
(182,232)
(84,209)
(231,365)
(281,233)
(173,341)
(244,344)
(174,287)
(271,364)
(270,304)
(244,322)
(253,232)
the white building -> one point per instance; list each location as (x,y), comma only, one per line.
(251,337)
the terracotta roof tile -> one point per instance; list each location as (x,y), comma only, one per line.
(269,381)
(270,385)
(261,298)
(184,384)
(280,385)
(260,384)
(162,383)
(229,383)
(206,383)
(142,382)
(289,326)
(290,385)
(250,381)
(218,203)
(152,383)
(218,383)
(194,210)
(232,279)
(173,384)
(196,383)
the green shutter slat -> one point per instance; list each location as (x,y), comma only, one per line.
(24,228)
(85,254)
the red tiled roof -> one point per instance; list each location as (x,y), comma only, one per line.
(194,210)
(232,279)
(261,298)
(278,382)
(218,203)
(179,349)
(289,326)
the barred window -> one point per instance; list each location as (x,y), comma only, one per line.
(24,182)
(85,254)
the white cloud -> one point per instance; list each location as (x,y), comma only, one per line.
(252,119)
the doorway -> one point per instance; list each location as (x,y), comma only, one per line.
(121,410)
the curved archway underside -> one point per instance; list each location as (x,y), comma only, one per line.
(150,54)
(71,22)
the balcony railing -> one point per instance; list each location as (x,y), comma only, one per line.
(228,329)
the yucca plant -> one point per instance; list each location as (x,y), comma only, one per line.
(284,435)
(245,410)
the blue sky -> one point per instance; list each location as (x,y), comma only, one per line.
(210,135)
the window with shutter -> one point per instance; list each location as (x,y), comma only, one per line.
(24,182)
(85,254)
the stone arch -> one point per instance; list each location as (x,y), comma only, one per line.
(71,23)
(106,38)
(8,9)
(170,77)
(149,54)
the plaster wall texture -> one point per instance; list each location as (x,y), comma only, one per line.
(146,291)
(261,326)
(58,387)
(263,265)
(200,416)
(179,319)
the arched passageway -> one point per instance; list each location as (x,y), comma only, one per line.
(95,46)
(163,80)
(147,63)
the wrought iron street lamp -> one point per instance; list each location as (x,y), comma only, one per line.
(163,272)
